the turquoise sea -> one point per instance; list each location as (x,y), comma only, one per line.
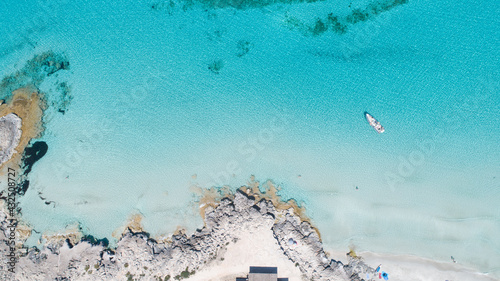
(173,94)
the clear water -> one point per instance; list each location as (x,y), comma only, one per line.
(148,114)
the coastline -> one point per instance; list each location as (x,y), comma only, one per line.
(22,97)
(230,221)
(240,229)
(28,105)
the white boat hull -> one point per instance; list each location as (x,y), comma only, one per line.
(374,123)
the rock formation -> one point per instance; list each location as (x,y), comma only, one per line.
(139,256)
(10,134)
(20,97)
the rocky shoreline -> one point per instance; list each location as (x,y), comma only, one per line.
(23,105)
(10,134)
(140,257)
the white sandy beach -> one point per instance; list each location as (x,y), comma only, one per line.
(263,250)
(257,247)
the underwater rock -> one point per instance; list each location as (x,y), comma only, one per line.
(32,154)
(34,72)
(20,96)
(216,66)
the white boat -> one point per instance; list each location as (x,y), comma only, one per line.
(374,123)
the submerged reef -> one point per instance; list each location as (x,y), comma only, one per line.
(23,99)
(341,24)
(31,155)
(27,105)
(336,23)
(33,73)
(216,66)
(227,217)
(22,113)
(169,5)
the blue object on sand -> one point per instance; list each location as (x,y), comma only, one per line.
(378,269)
(385,275)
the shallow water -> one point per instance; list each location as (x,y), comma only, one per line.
(170,98)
